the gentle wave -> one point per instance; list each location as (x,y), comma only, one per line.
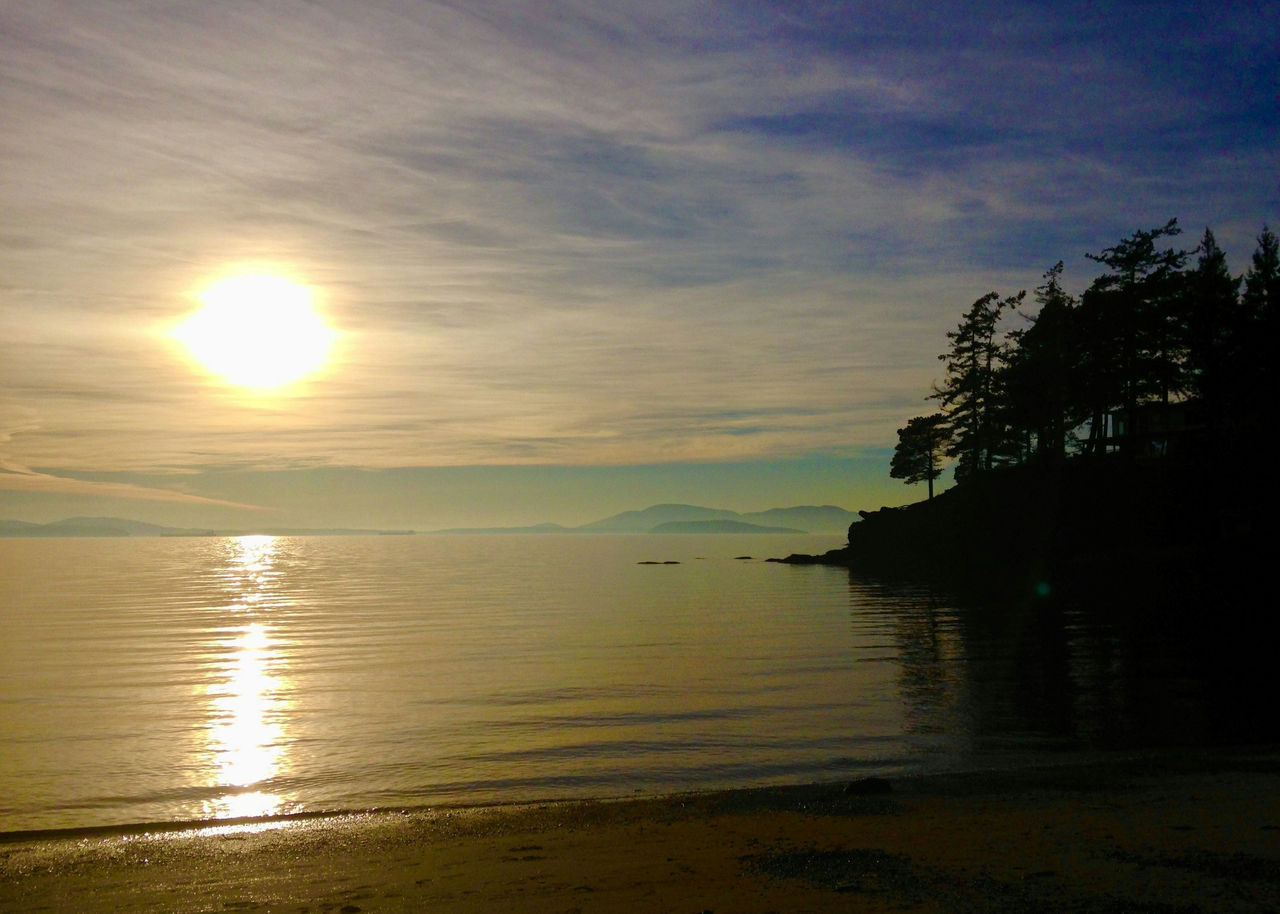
(186,679)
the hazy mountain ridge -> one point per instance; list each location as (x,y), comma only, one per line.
(646,520)
(121,526)
(82,526)
(113,526)
(687,518)
(675,518)
(552,529)
(718,526)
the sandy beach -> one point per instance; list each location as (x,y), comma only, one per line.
(1197,832)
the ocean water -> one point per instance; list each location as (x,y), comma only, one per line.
(156,679)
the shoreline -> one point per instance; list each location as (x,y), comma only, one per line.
(1187,832)
(988,764)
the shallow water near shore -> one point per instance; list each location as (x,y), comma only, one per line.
(154,679)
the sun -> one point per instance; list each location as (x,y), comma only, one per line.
(257,331)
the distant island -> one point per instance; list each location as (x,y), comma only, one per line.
(120,526)
(657,519)
(674,518)
(718,526)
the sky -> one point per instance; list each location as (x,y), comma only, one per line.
(577,257)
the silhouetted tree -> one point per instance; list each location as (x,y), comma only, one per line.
(1212,323)
(971,393)
(1133,323)
(1038,377)
(1261,299)
(921,446)
(1147,331)
(1254,352)
(1096,352)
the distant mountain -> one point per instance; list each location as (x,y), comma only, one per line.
(23,528)
(644,521)
(667,518)
(811,518)
(536,528)
(718,526)
(119,526)
(672,518)
(71,526)
(316,531)
(16,527)
(110,526)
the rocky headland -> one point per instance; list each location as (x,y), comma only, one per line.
(1109,523)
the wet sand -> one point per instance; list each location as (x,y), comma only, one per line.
(1196,832)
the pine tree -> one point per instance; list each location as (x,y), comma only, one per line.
(1134,319)
(1038,379)
(1261,299)
(971,395)
(1213,317)
(921,447)
(1259,327)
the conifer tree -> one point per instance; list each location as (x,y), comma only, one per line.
(1254,355)
(921,447)
(1038,379)
(1213,317)
(1261,299)
(1147,331)
(1134,324)
(971,395)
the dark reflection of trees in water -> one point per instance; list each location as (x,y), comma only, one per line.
(1173,669)
(1062,672)
(926,646)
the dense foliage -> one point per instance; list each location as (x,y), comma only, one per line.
(1165,351)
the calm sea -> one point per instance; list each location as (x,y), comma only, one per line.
(148,679)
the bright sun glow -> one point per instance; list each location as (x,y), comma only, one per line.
(257,331)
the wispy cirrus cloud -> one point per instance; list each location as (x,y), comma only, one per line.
(16,478)
(579,232)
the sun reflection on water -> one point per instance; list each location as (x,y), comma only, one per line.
(246,703)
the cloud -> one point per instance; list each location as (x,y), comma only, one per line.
(16,478)
(585,233)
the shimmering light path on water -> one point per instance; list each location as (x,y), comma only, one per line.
(154,679)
